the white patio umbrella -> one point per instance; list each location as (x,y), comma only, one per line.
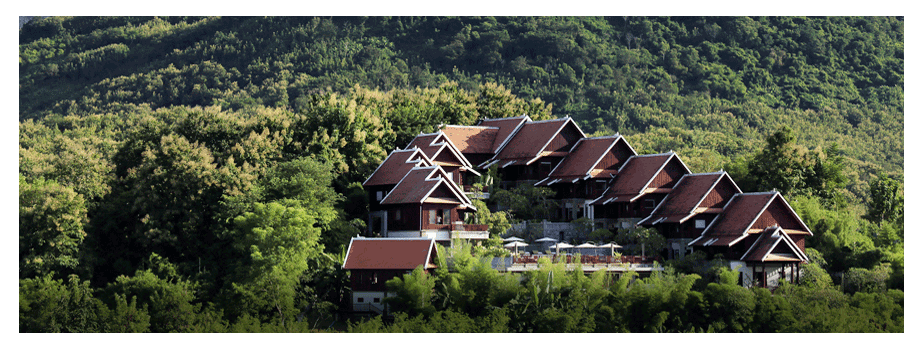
(515,245)
(513,239)
(611,245)
(546,239)
(561,245)
(586,245)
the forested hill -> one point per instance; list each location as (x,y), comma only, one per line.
(204,173)
(711,86)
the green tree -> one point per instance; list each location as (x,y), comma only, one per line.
(166,297)
(649,239)
(54,306)
(781,166)
(413,292)
(527,202)
(730,306)
(886,202)
(497,223)
(51,227)
(278,241)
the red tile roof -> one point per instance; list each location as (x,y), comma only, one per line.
(472,139)
(685,197)
(419,183)
(528,142)
(395,166)
(530,139)
(390,253)
(774,244)
(738,215)
(440,149)
(583,157)
(425,143)
(634,176)
(506,127)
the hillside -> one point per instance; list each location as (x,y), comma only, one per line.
(713,85)
(212,166)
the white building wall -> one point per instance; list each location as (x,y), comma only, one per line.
(404,234)
(772,273)
(744,270)
(368,298)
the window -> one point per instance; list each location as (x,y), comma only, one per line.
(699,223)
(397,215)
(446,216)
(380,195)
(432,215)
(377,300)
(649,203)
(545,168)
(361,300)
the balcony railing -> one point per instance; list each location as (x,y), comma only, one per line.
(469,227)
(588,259)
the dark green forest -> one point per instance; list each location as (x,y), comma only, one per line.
(203,174)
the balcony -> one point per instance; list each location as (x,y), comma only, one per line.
(469,231)
(471,192)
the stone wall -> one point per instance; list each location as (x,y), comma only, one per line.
(533,231)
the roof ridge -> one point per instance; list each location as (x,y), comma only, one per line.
(755,193)
(653,155)
(517,117)
(710,173)
(472,126)
(549,120)
(615,136)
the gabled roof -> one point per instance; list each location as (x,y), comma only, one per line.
(686,196)
(390,253)
(396,165)
(774,244)
(506,127)
(737,217)
(635,176)
(526,145)
(419,183)
(581,162)
(472,139)
(739,214)
(433,145)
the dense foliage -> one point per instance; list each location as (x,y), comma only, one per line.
(203,174)
(551,299)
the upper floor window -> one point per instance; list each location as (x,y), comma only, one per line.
(379,195)
(699,223)
(649,203)
(446,216)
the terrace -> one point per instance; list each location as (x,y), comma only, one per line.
(588,263)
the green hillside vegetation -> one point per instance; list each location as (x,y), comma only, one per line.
(203,174)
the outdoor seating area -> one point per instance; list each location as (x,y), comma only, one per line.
(587,254)
(584,259)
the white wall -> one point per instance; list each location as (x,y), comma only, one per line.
(746,272)
(367,298)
